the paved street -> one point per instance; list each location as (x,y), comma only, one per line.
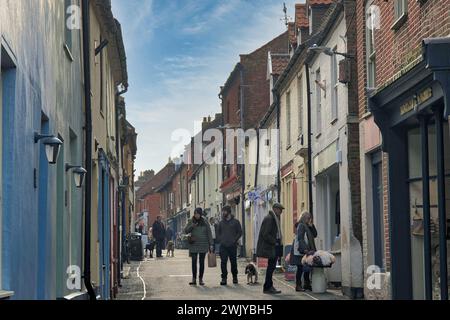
(168,279)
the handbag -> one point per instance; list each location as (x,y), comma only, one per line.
(191,238)
(212,260)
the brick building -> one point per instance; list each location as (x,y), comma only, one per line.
(245,100)
(403,113)
(148,200)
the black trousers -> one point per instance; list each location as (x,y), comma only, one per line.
(300,273)
(271,266)
(159,247)
(201,257)
(225,254)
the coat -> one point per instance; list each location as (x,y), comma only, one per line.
(304,242)
(202,236)
(159,231)
(267,240)
(229,232)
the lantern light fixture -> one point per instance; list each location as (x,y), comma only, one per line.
(52,146)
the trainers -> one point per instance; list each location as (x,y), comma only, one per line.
(223,282)
(201,282)
(235,280)
(272,291)
(193,283)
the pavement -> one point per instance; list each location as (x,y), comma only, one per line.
(168,279)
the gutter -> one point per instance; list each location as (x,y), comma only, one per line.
(88,160)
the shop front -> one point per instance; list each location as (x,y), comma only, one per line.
(412,113)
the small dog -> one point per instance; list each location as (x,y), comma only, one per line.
(252,273)
(170,249)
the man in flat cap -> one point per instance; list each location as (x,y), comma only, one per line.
(270,244)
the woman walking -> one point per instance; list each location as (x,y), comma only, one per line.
(200,241)
(303,244)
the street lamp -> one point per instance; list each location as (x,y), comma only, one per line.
(328,51)
(78,174)
(52,146)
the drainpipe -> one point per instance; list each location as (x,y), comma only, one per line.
(277,106)
(88,160)
(121,193)
(244,254)
(310,177)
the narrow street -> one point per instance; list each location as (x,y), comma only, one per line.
(168,278)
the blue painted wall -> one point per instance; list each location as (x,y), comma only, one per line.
(45,81)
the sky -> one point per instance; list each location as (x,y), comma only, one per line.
(179,53)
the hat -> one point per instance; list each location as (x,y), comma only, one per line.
(278,205)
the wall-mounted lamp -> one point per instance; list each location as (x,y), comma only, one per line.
(328,51)
(78,174)
(52,146)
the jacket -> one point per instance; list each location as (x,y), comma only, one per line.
(159,231)
(304,241)
(229,232)
(201,233)
(267,240)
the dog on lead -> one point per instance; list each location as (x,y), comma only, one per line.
(170,248)
(252,273)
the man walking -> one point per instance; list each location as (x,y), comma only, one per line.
(159,233)
(270,245)
(228,234)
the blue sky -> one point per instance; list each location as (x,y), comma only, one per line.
(179,54)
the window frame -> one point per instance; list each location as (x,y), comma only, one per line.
(400,13)
(300,104)
(288,119)
(335,86)
(371,52)
(318,104)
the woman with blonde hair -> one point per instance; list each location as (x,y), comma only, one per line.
(303,244)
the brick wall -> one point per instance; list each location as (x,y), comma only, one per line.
(256,85)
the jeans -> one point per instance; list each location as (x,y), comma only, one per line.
(159,247)
(201,257)
(271,266)
(305,274)
(225,254)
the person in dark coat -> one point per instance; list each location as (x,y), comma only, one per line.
(159,234)
(201,241)
(304,243)
(270,245)
(229,232)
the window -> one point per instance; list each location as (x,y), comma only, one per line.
(300,105)
(370,44)
(400,13)
(318,103)
(1,157)
(288,119)
(335,84)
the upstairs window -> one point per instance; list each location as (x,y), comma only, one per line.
(318,103)
(400,13)
(370,44)
(300,105)
(288,118)
(335,87)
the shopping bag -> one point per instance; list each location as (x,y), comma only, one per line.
(212,260)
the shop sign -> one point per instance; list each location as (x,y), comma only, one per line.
(417,100)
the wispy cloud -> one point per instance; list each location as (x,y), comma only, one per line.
(188,51)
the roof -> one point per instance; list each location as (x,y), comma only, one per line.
(301,17)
